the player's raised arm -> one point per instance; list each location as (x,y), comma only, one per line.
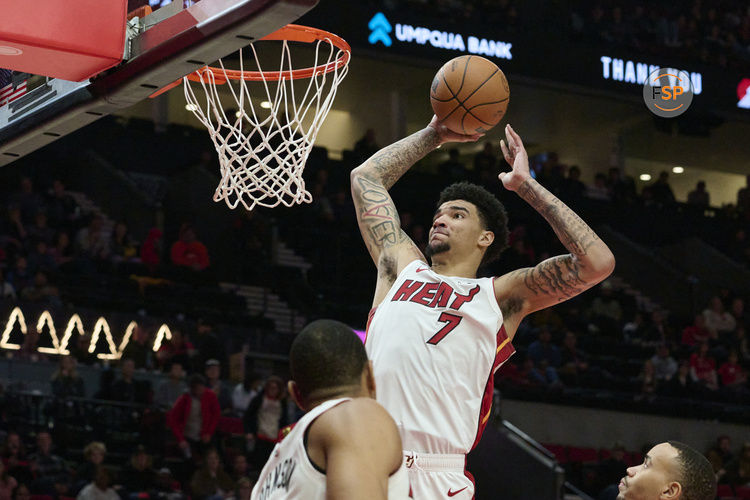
(378,219)
(559,278)
(362,448)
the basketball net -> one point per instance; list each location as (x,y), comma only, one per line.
(262,155)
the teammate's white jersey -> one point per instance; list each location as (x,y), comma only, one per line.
(290,475)
(435,343)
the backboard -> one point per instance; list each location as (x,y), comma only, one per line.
(160,48)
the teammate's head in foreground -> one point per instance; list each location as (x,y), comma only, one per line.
(328,360)
(670,471)
(469,223)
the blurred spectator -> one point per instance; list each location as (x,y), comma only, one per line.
(613,468)
(211,482)
(717,318)
(572,187)
(543,375)
(80,350)
(94,454)
(366,146)
(739,342)
(720,455)
(61,207)
(40,231)
(240,468)
(733,377)
(213,377)
(664,365)
(100,488)
(681,385)
(151,250)
(633,330)
(661,191)
(738,470)
(194,416)
(188,251)
(172,388)
(598,190)
(139,349)
(266,415)
(30,348)
(52,475)
(243,488)
(62,252)
(703,368)
(20,276)
(138,477)
(738,311)
(605,311)
(574,362)
(65,381)
(22,493)
(7,483)
(743,197)
(657,331)
(452,169)
(207,344)
(15,228)
(91,240)
(177,349)
(122,246)
(6,289)
(621,188)
(27,200)
(699,197)
(646,380)
(13,455)
(40,259)
(485,165)
(42,291)
(244,393)
(543,349)
(696,333)
(126,388)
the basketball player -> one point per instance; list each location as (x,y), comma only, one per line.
(436,333)
(346,446)
(670,471)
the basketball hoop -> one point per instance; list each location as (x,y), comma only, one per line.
(262,155)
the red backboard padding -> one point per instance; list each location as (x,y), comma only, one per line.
(71,39)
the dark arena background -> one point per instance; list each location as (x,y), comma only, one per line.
(108,305)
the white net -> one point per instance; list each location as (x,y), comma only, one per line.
(262,152)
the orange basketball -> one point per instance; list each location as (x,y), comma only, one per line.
(469,94)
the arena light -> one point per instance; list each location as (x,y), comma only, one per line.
(645,177)
(677,170)
(265,104)
(60,346)
(191,107)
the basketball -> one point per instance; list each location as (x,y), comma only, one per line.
(469,95)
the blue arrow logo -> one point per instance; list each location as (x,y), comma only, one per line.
(380,28)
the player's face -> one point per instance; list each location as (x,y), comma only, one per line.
(654,478)
(455,227)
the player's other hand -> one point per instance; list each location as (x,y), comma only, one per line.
(516,156)
(447,135)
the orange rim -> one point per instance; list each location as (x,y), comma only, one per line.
(290,32)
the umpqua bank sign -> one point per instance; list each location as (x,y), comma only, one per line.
(383,32)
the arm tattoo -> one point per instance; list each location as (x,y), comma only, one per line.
(389,164)
(376,214)
(558,276)
(574,234)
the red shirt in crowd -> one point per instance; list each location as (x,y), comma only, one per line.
(693,335)
(210,412)
(730,373)
(190,254)
(703,367)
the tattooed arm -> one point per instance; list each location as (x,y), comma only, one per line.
(389,246)
(559,278)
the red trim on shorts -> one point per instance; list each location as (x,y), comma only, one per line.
(370,315)
(471,478)
(504,350)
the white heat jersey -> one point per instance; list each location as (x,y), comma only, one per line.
(435,343)
(290,475)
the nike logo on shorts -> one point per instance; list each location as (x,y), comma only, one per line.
(452,493)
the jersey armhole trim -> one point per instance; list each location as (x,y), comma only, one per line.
(307,454)
(495,303)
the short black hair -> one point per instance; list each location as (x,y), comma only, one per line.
(696,473)
(196,379)
(326,353)
(492,214)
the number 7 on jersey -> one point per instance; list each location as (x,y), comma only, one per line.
(451,321)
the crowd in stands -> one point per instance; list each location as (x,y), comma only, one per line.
(715,33)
